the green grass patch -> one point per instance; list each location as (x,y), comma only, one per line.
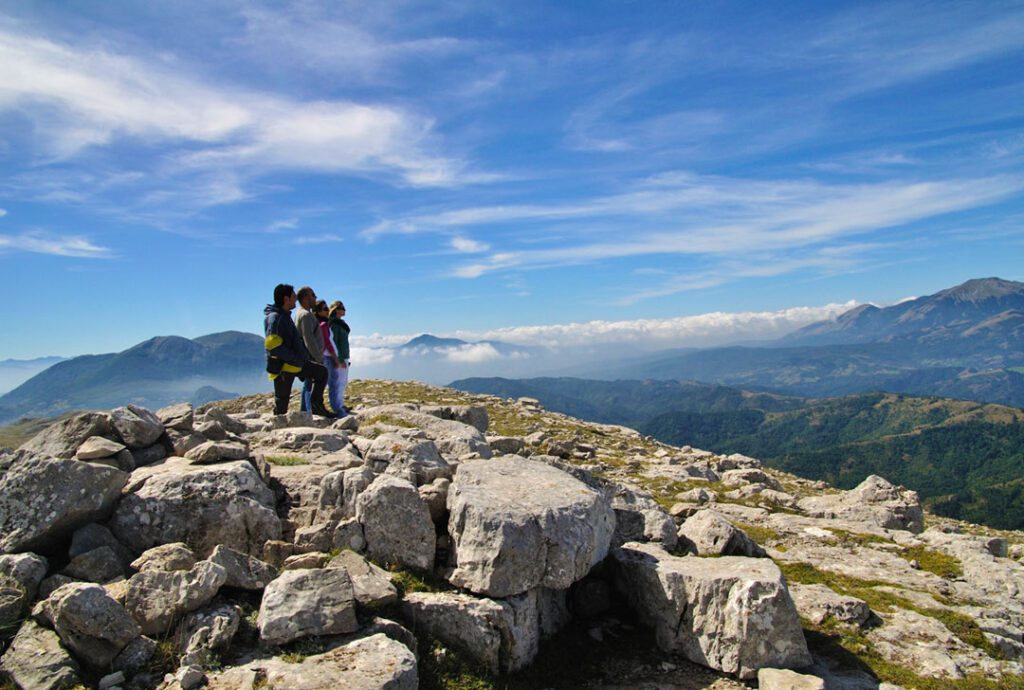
(853,650)
(762,535)
(881,601)
(407,581)
(285,460)
(389,420)
(941,564)
(845,538)
(443,668)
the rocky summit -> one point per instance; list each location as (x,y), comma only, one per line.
(440,539)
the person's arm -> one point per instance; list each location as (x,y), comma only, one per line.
(307,329)
(276,344)
(329,351)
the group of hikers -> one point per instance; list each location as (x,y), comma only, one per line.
(313,348)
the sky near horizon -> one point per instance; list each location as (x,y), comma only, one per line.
(522,169)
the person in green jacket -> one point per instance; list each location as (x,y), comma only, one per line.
(339,334)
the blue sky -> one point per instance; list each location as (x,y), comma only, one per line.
(520,169)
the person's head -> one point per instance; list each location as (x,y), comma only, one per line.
(321,309)
(337,309)
(307,298)
(284,293)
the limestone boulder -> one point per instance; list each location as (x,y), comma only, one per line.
(165,558)
(200,505)
(95,535)
(300,603)
(136,426)
(875,502)
(305,439)
(179,417)
(90,622)
(206,632)
(474,415)
(20,575)
(242,570)
(732,614)
(229,423)
(435,495)
(750,475)
(99,565)
(370,583)
(415,459)
(210,452)
(36,659)
(45,499)
(62,440)
(452,438)
(158,599)
(784,679)
(339,490)
(709,533)
(516,524)
(375,662)
(500,635)
(396,523)
(96,447)
(819,604)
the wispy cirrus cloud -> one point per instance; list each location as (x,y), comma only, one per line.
(80,97)
(717,216)
(39,242)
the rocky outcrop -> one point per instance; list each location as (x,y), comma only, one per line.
(45,499)
(62,440)
(202,506)
(396,523)
(731,613)
(90,622)
(708,533)
(157,599)
(37,660)
(300,603)
(517,524)
(874,501)
(501,635)
(370,663)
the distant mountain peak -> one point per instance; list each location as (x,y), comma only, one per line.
(980,289)
(428,340)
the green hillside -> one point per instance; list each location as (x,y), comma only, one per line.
(966,459)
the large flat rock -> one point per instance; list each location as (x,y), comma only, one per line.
(45,499)
(371,663)
(733,614)
(517,524)
(200,505)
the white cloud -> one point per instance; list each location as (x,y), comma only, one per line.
(372,355)
(468,246)
(699,330)
(2,213)
(318,239)
(57,245)
(472,354)
(80,97)
(687,214)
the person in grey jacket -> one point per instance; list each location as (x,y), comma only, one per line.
(309,329)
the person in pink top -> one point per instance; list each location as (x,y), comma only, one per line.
(334,385)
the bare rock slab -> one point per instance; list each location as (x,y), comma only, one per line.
(370,584)
(90,622)
(37,660)
(784,679)
(518,524)
(200,505)
(371,663)
(818,603)
(396,523)
(874,501)
(301,603)
(157,599)
(43,499)
(732,614)
(500,635)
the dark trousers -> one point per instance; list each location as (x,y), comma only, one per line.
(311,371)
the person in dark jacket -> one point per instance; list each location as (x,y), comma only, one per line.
(287,356)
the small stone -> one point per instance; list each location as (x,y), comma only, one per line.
(96,447)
